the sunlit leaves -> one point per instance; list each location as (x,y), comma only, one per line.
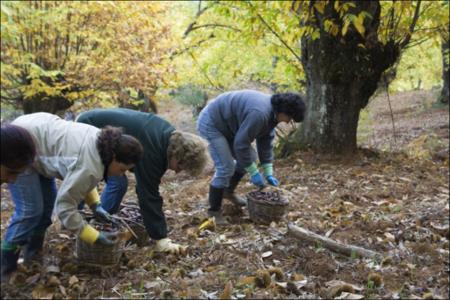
(95,46)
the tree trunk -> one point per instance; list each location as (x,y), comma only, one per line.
(48,104)
(443,98)
(342,72)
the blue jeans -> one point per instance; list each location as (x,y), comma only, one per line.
(34,197)
(221,151)
(112,194)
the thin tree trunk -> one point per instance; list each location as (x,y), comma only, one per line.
(445,66)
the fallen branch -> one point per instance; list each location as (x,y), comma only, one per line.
(311,237)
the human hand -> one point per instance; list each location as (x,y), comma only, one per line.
(166,245)
(257,180)
(272,180)
(101,214)
(106,238)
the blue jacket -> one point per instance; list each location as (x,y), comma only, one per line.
(243,116)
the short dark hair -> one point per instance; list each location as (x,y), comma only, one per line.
(18,147)
(291,104)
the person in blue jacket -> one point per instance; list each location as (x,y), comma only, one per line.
(230,123)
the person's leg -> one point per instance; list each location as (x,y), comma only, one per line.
(220,152)
(27,197)
(224,168)
(113,193)
(33,249)
(239,173)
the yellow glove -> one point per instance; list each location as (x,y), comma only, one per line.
(89,234)
(166,245)
(92,198)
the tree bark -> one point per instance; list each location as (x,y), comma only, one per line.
(311,237)
(40,103)
(342,72)
(443,98)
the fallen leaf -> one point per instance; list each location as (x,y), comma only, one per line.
(247,280)
(266,254)
(333,283)
(73,279)
(227,291)
(346,295)
(389,236)
(209,224)
(33,279)
(53,281)
(42,292)
(52,269)
(124,235)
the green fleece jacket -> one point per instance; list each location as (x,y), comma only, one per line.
(153,133)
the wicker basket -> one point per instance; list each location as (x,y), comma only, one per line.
(131,211)
(142,235)
(265,207)
(97,254)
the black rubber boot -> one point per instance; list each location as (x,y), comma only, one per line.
(229,191)
(215,205)
(32,251)
(9,263)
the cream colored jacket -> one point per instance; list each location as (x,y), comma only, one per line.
(66,150)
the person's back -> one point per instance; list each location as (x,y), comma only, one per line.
(60,143)
(229,110)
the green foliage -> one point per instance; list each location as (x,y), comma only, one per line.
(233,43)
(190,95)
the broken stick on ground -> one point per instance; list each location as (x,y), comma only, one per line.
(311,237)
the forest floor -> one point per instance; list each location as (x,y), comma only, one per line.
(392,198)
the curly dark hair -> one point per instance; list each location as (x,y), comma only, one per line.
(112,143)
(18,147)
(291,104)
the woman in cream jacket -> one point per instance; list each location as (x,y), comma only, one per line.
(81,156)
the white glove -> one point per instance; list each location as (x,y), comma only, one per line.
(166,245)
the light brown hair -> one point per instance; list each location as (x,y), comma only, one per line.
(189,151)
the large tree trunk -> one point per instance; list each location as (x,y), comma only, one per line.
(445,65)
(39,103)
(342,72)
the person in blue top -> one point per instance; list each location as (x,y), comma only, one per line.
(230,123)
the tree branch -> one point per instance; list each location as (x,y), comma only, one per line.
(411,26)
(276,34)
(176,53)
(214,25)
(199,13)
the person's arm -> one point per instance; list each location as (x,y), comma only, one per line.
(74,188)
(151,202)
(264,146)
(246,134)
(151,205)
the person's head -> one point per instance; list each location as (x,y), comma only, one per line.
(18,151)
(186,152)
(288,106)
(119,152)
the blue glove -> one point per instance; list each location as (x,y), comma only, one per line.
(272,180)
(257,180)
(101,213)
(106,238)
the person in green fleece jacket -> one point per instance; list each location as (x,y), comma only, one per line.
(164,148)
